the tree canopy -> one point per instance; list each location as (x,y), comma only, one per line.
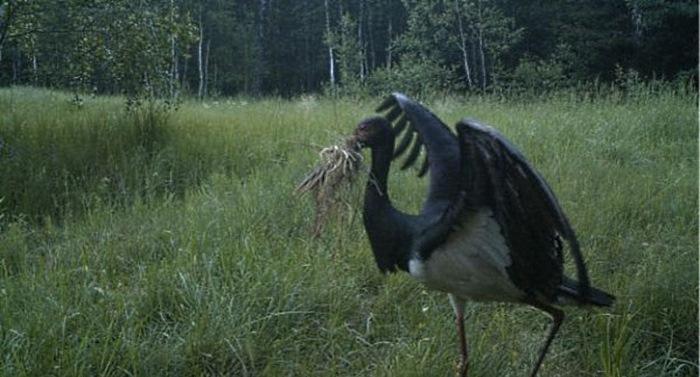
(287,47)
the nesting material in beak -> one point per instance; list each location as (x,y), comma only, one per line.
(337,170)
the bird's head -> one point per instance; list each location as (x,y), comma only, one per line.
(374,131)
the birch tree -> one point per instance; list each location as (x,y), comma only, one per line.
(330,43)
(200,58)
(463,43)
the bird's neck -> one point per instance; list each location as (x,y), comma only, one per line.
(376,192)
(385,225)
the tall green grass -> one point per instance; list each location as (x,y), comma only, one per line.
(151,243)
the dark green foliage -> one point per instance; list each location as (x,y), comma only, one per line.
(538,76)
(261,47)
(421,76)
(95,46)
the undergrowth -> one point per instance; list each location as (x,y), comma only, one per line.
(177,246)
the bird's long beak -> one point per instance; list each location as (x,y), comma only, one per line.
(355,138)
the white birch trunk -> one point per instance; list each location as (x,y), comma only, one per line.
(200,62)
(463,46)
(173,56)
(329,37)
(215,76)
(259,66)
(173,69)
(206,68)
(35,69)
(183,78)
(361,41)
(637,22)
(482,56)
(372,58)
(388,46)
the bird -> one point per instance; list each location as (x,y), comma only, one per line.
(490,229)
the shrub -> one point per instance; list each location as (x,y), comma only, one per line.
(537,76)
(419,76)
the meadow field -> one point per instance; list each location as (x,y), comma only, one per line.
(149,242)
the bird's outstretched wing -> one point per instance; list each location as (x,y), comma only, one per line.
(418,128)
(494,173)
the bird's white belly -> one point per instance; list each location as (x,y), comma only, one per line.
(471,264)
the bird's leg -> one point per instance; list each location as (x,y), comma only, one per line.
(557,319)
(458,306)
(464,360)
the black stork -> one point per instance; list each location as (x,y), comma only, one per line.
(490,229)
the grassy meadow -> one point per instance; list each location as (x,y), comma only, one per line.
(155,243)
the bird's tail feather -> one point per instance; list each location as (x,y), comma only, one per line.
(569,292)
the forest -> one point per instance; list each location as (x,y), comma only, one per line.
(204,48)
(150,150)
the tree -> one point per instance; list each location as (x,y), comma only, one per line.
(109,46)
(349,51)
(286,47)
(474,33)
(330,42)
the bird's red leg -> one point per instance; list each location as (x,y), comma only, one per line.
(464,360)
(557,319)
(458,306)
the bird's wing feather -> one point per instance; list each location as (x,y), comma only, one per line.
(413,123)
(496,174)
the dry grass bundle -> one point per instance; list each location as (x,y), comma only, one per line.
(337,170)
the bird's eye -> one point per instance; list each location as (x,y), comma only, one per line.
(363,126)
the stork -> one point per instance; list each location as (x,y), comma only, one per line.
(490,228)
